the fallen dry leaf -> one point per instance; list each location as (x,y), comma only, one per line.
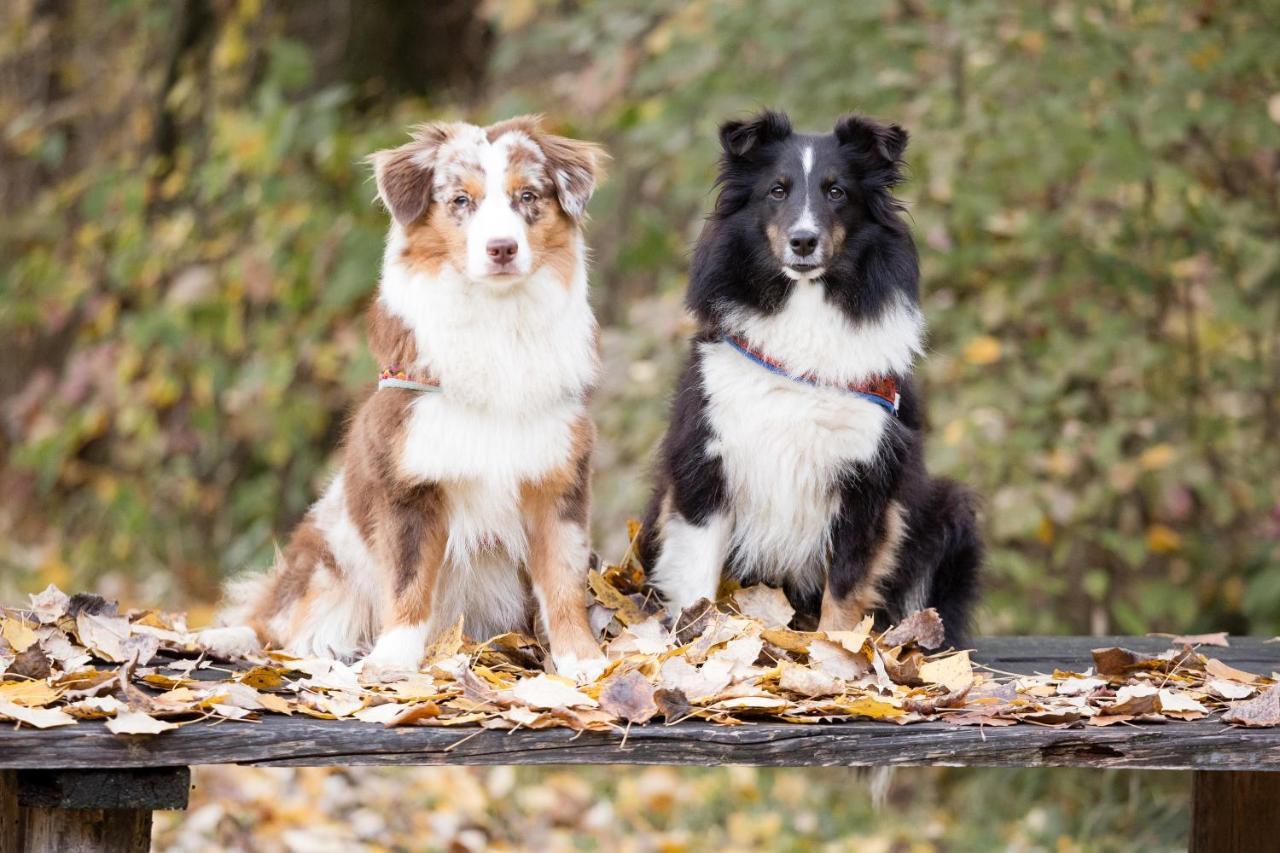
(765,604)
(104,635)
(836,661)
(138,723)
(17,633)
(955,672)
(1218,638)
(924,627)
(1134,700)
(808,682)
(50,606)
(629,697)
(1218,669)
(1230,689)
(550,691)
(1261,712)
(627,611)
(41,718)
(733,663)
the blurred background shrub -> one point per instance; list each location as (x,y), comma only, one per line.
(188,240)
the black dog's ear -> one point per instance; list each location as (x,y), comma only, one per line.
(742,139)
(889,141)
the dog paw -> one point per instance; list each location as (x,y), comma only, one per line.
(229,642)
(580,669)
(384,672)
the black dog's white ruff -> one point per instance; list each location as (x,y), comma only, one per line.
(785,461)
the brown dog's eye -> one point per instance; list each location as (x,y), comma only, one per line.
(528,197)
(778,192)
(835,193)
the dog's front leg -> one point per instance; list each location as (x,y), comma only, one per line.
(410,549)
(864,548)
(558,560)
(693,523)
(692,559)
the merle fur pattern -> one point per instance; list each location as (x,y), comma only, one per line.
(853,244)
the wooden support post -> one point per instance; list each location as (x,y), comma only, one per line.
(86,810)
(1235,811)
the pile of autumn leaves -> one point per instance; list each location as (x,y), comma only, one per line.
(66,659)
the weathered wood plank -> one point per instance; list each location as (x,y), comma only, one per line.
(304,741)
(85,831)
(1201,745)
(1235,812)
(69,829)
(140,788)
(9,823)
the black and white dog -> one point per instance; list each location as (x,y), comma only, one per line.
(794,455)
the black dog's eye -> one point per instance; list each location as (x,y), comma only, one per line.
(778,191)
(835,193)
(528,196)
(462,200)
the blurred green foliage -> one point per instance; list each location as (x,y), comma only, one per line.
(189,239)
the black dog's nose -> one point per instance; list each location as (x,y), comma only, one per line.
(501,250)
(804,242)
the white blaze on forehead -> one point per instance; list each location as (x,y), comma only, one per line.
(495,219)
(806,222)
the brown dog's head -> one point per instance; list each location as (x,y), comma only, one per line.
(496,203)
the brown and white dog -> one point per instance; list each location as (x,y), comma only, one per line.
(464,484)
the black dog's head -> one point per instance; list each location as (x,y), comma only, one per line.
(797,206)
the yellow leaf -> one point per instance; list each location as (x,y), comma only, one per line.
(855,639)
(446,645)
(953,672)
(627,611)
(18,634)
(41,718)
(1162,539)
(982,350)
(32,694)
(275,703)
(866,706)
(1045,532)
(1156,457)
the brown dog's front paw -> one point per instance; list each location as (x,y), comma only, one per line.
(584,670)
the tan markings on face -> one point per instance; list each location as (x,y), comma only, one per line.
(442,239)
(551,230)
(551,240)
(838,233)
(438,241)
(777,240)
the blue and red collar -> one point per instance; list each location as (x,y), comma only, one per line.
(881,390)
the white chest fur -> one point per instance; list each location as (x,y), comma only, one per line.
(514,365)
(784,444)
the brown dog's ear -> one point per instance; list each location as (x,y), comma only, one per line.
(404,174)
(742,139)
(889,141)
(575,168)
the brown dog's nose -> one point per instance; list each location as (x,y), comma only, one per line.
(502,250)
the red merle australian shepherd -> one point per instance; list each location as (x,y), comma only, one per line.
(794,454)
(463,490)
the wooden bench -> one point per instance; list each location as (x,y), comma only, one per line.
(83,788)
